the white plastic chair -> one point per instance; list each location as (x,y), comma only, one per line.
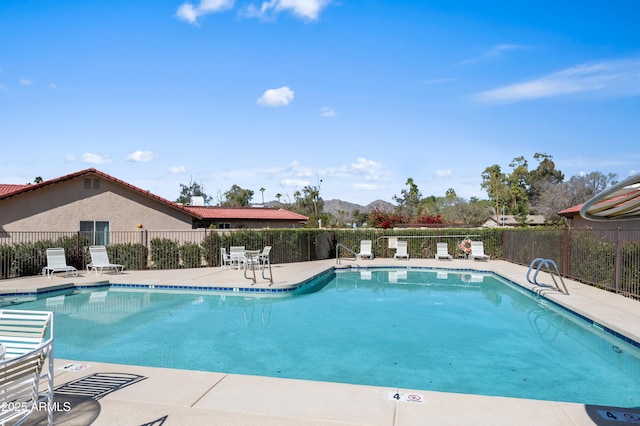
(442,252)
(237,254)
(401,250)
(264,256)
(365,249)
(225,258)
(100,261)
(57,262)
(477,251)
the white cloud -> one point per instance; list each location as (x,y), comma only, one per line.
(53,86)
(3,88)
(140,156)
(276,97)
(494,52)
(190,13)
(364,165)
(95,158)
(25,82)
(305,9)
(369,170)
(327,112)
(438,81)
(501,48)
(365,186)
(612,78)
(177,170)
(443,172)
(70,158)
(294,182)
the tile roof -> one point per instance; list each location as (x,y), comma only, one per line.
(247,213)
(618,200)
(571,210)
(7,188)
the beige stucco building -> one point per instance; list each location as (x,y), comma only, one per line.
(94,202)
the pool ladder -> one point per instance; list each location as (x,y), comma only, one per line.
(552,269)
(252,262)
(338,247)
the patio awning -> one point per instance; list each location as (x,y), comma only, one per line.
(620,202)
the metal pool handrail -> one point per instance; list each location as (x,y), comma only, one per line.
(338,247)
(551,268)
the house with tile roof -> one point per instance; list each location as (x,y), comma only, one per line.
(92,201)
(512,221)
(574,220)
(625,200)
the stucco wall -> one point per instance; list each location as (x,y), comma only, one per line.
(61,207)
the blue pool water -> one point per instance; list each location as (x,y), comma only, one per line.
(414,329)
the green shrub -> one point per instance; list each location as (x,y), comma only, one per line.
(165,253)
(191,255)
(131,256)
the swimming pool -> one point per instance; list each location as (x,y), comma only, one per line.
(399,328)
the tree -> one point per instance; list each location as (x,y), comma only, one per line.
(409,201)
(494,182)
(577,190)
(308,201)
(542,176)
(237,197)
(517,183)
(450,194)
(262,190)
(194,189)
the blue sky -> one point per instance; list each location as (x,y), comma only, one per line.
(356,96)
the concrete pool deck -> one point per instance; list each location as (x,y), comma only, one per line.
(102,395)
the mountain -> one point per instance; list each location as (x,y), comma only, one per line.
(333,206)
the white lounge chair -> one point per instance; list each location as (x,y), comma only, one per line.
(26,385)
(365,249)
(26,365)
(401,250)
(57,262)
(477,251)
(23,331)
(442,252)
(100,261)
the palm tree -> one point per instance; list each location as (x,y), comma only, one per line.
(262,190)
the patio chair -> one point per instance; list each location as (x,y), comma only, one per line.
(100,261)
(365,249)
(22,385)
(264,256)
(225,258)
(57,262)
(237,254)
(401,250)
(442,252)
(23,331)
(477,251)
